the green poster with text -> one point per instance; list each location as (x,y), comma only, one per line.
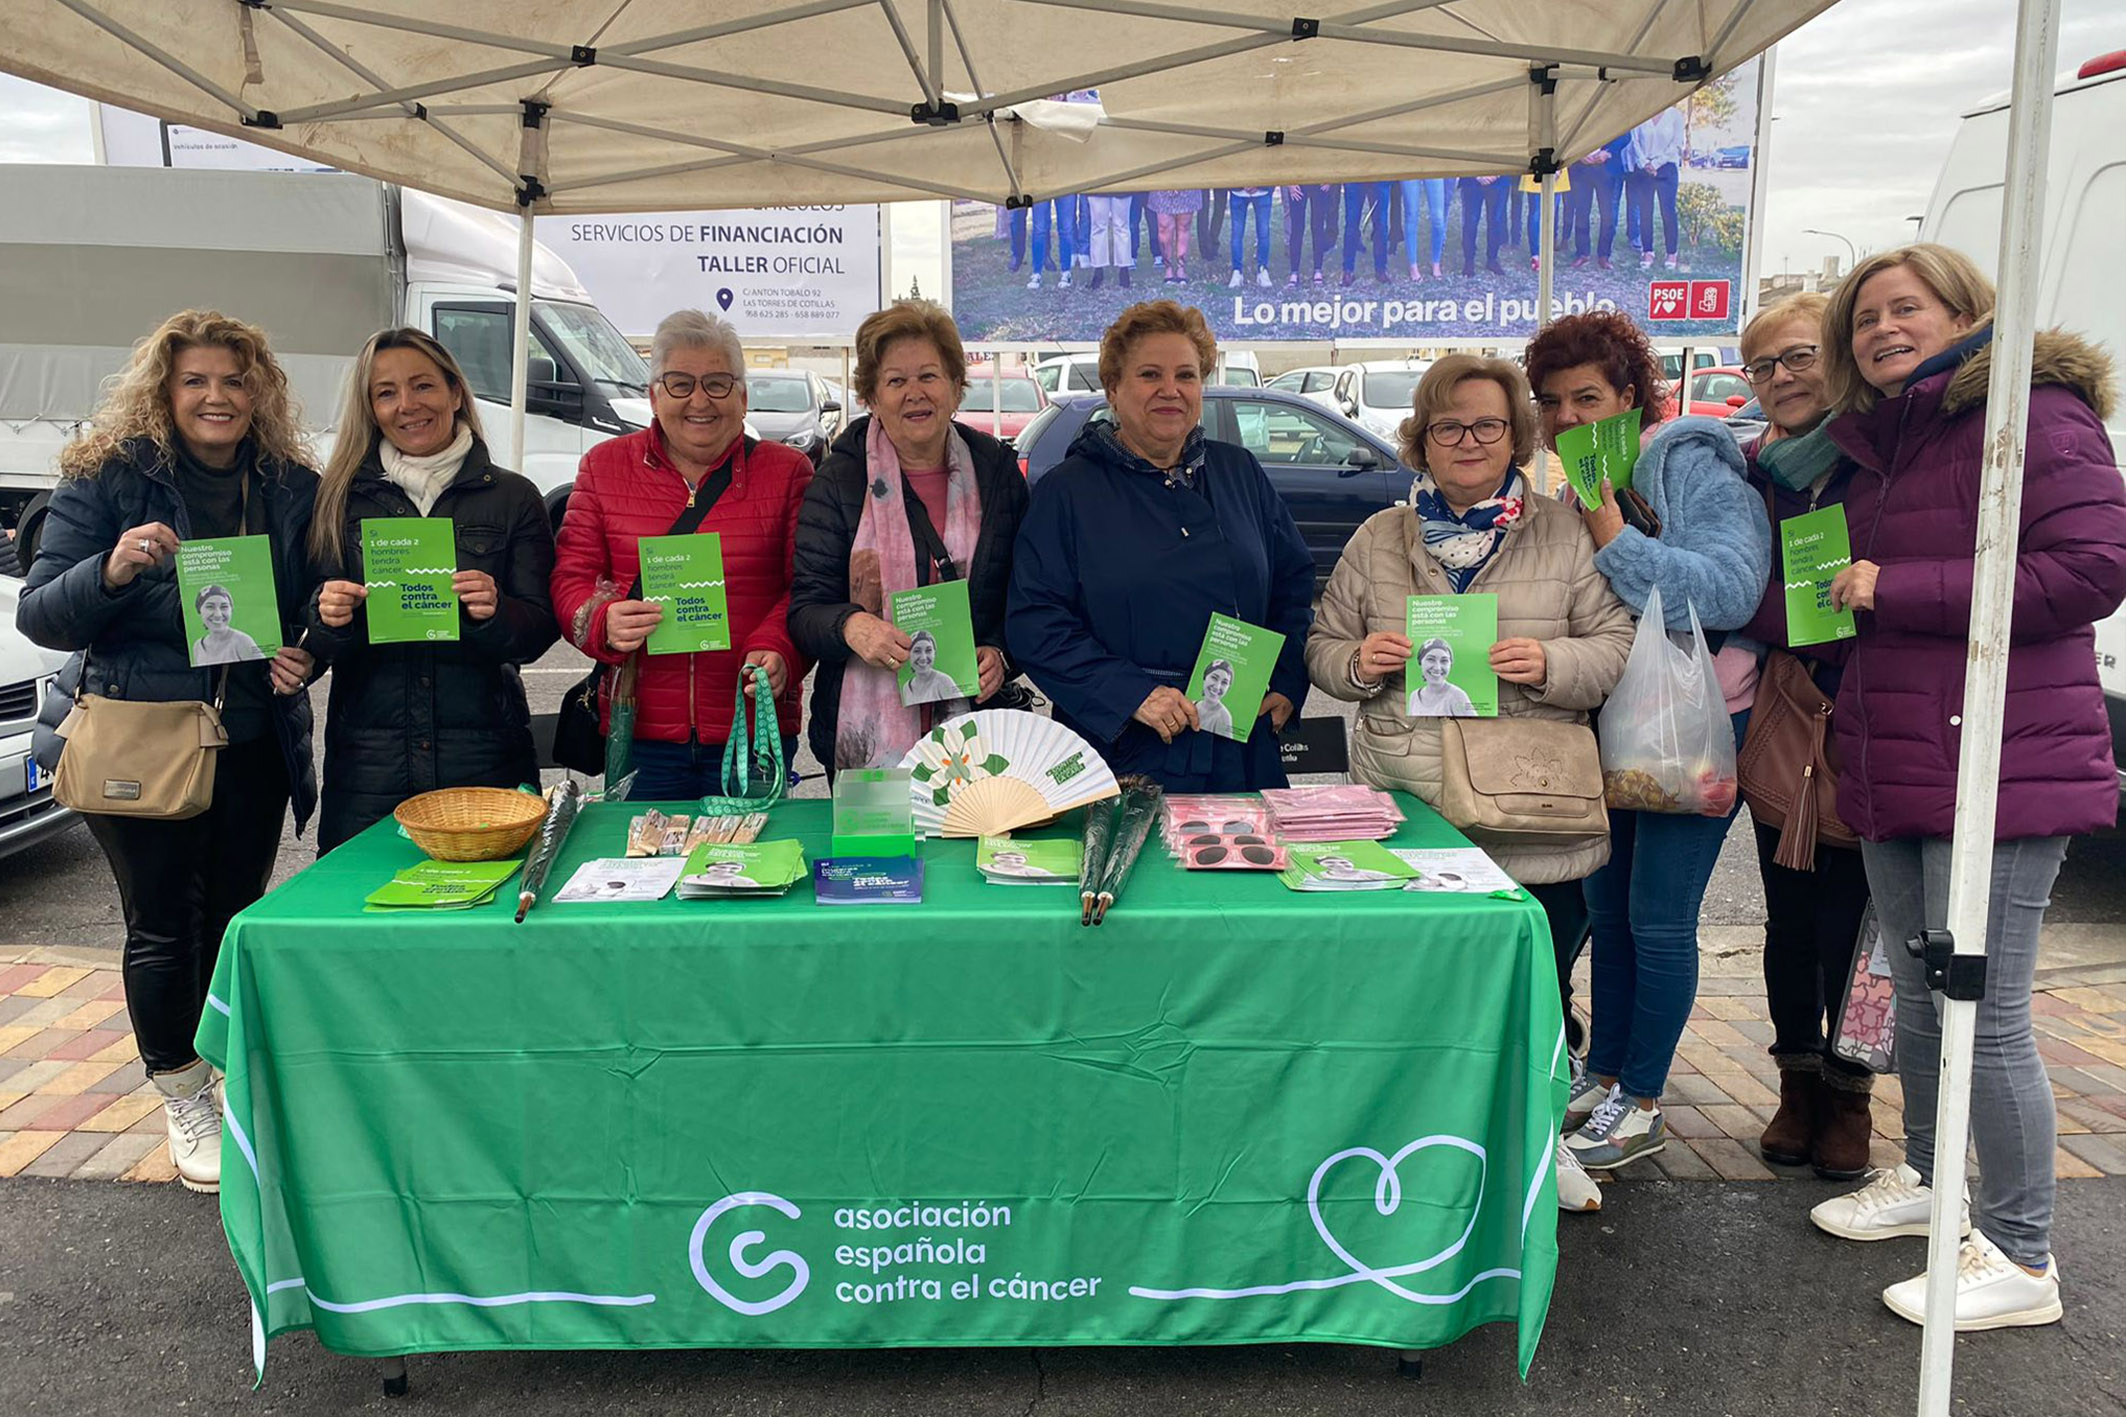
(1815,547)
(940,629)
(232,612)
(683,575)
(1592,451)
(407,563)
(1232,675)
(1449,675)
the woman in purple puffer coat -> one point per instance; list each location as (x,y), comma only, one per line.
(1907,338)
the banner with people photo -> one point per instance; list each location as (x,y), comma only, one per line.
(1654,223)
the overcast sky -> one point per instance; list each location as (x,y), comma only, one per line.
(1866,99)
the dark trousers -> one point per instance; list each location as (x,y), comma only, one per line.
(180,883)
(1210,220)
(1310,209)
(1138,213)
(1565,906)
(1596,186)
(1811,929)
(1651,192)
(1359,197)
(1487,204)
(672,772)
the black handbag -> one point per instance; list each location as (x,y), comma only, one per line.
(579,743)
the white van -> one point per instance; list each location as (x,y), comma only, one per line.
(93,258)
(27,812)
(2084,249)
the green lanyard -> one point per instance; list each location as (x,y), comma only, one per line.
(753,774)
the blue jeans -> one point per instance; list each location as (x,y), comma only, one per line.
(1430,194)
(1018,237)
(1644,907)
(1239,208)
(1357,195)
(672,772)
(1591,215)
(1651,192)
(1062,213)
(2013,1119)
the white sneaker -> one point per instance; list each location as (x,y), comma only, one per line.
(1578,1192)
(1992,1291)
(1034,281)
(1064,282)
(194,1125)
(1237,281)
(1585,1096)
(1262,278)
(1892,1203)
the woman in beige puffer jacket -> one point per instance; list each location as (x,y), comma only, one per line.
(1563,633)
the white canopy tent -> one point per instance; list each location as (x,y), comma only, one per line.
(556,106)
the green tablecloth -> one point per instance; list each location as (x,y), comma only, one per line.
(1232,1114)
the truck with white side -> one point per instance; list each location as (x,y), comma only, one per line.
(2083,253)
(93,258)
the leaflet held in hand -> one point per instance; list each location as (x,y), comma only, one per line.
(684,576)
(232,612)
(1232,675)
(1593,451)
(1449,674)
(941,663)
(407,563)
(1815,547)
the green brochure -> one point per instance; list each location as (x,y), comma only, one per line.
(1344,866)
(442,885)
(1013,861)
(1815,547)
(226,592)
(1231,676)
(1593,451)
(684,575)
(407,563)
(1449,675)
(941,659)
(751,868)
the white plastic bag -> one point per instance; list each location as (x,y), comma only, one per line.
(1667,742)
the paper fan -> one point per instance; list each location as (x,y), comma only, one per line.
(1058,769)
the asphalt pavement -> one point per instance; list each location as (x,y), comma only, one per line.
(1699,1300)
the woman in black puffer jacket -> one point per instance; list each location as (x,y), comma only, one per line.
(410,718)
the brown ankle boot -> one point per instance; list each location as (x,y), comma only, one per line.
(1840,1146)
(1786,1140)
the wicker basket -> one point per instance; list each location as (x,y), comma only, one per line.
(471,823)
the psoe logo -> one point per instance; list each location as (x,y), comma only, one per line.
(744,1240)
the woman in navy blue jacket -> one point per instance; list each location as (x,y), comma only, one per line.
(1132,542)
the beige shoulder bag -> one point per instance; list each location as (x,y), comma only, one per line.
(1522,781)
(128,759)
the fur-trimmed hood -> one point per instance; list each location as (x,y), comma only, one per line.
(2058,358)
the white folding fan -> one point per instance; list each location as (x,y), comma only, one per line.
(994,770)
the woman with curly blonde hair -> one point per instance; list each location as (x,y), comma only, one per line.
(196,438)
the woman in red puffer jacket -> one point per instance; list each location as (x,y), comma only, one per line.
(640,486)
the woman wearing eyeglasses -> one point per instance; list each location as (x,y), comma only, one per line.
(643,485)
(1812,917)
(1472,525)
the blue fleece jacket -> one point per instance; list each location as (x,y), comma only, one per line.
(1715,547)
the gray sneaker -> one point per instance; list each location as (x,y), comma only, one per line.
(1618,1132)
(1585,1096)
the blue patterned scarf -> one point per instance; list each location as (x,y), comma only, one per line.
(1100,441)
(1463,542)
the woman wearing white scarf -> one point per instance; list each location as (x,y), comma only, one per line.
(409,718)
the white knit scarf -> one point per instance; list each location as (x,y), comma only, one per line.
(423,479)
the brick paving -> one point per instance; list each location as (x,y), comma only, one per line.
(74,1103)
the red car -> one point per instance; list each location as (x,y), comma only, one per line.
(1715,392)
(1016,397)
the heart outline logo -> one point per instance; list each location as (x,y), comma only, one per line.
(1387,1199)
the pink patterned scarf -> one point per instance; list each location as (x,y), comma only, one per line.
(874,730)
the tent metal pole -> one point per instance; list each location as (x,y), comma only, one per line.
(168,61)
(996,379)
(1543,141)
(1986,676)
(520,338)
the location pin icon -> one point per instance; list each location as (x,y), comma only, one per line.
(723,297)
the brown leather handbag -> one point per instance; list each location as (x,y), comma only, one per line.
(1789,763)
(1522,781)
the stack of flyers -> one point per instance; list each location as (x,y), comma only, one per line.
(1345,866)
(760,868)
(867,880)
(1009,861)
(1462,869)
(614,878)
(1348,811)
(442,885)
(1218,851)
(1218,813)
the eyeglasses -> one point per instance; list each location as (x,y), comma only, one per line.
(1449,434)
(1797,359)
(682,386)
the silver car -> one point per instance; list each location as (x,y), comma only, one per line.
(27,812)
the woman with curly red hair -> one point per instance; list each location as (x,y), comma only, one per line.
(1711,552)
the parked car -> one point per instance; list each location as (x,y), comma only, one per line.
(1317,384)
(1014,399)
(1377,394)
(793,406)
(1737,155)
(1746,423)
(1332,473)
(1078,372)
(27,812)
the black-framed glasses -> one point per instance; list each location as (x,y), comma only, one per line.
(682,386)
(1797,359)
(1449,434)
